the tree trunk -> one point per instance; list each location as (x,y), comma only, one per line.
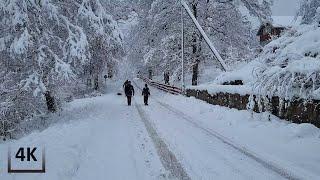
(150,74)
(110,70)
(195,72)
(50,102)
(195,50)
(96,83)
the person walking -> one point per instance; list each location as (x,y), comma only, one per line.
(129,91)
(125,83)
(145,94)
(166,78)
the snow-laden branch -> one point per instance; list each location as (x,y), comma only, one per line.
(206,38)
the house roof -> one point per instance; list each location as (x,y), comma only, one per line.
(260,31)
(263,25)
(274,26)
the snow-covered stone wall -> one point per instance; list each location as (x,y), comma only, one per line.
(296,111)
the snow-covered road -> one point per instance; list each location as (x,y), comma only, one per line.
(205,153)
(173,138)
(102,139)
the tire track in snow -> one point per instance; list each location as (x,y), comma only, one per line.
(267,164)
(167,158)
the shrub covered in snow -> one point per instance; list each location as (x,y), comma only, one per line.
(291,65)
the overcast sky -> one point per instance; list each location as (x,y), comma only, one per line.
(285,7)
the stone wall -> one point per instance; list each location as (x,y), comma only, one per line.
(296,111)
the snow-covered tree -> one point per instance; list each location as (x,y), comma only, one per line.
(260,9)
(317,16)
(233,34)
(291,64)
(156,41)
(46,48)
(309,10)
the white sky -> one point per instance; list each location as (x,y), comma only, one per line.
(285,7)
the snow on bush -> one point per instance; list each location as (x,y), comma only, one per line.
(291,65)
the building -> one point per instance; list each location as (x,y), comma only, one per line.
(267,32)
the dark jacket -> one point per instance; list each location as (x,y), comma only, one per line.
(145,92)
(129,90)
(125,83)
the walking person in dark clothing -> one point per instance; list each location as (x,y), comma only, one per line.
(166,78)
(145,94)
(129,91)
(125,83)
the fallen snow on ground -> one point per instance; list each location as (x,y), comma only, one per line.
(97,138)
(102,138)
(244,73)
(293,147)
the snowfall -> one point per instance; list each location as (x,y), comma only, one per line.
(175,137)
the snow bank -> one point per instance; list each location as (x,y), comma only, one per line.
(244,73)
(304,130)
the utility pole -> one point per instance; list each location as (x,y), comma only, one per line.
(182,52)
(206,38)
